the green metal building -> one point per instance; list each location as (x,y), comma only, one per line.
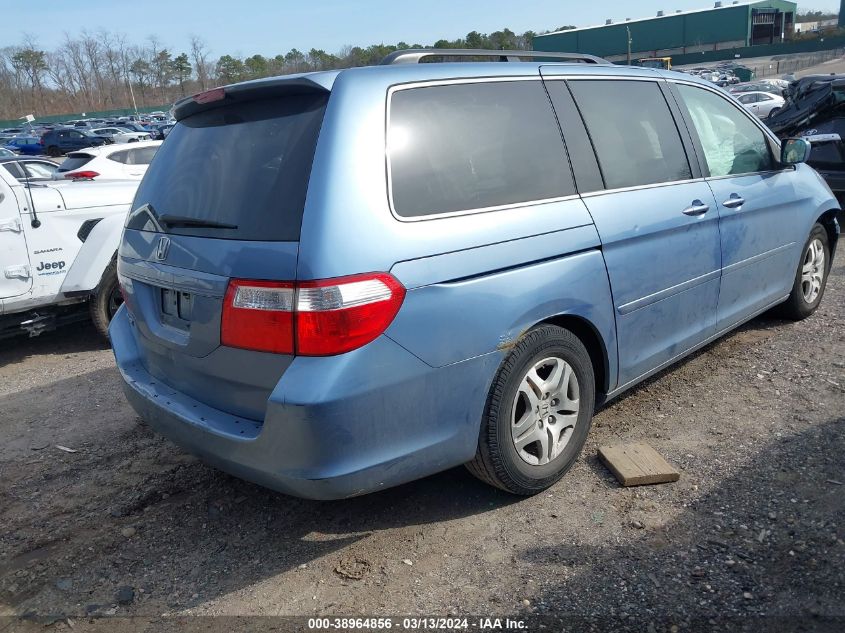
(726,25)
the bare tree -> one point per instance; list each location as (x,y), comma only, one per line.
(79,66)
(90,71)
(91,49)
(199,56)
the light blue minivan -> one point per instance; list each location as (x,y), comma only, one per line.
(342,281)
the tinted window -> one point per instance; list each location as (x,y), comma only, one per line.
(245,165)
(584,165)
(75,161)
(13,169)
(119,157)
(472,146)
(141,156)
(633,132)
(732,143)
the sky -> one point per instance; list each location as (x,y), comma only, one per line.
(269,27)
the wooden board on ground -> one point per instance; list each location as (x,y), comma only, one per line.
(637,464)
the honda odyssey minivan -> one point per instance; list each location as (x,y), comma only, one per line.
(341,281)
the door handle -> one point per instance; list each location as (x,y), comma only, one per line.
(733,202)
(696,208)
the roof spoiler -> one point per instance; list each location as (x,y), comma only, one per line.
(247,91)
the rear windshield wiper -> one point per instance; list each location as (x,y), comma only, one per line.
(179,220)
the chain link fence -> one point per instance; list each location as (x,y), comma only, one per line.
(777,67)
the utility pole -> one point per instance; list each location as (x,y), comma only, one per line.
(628,29)
(132,93)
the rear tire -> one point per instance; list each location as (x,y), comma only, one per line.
(810,278)
(106,300)
(538,413)
(53,151)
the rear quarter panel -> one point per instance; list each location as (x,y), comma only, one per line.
(466,304)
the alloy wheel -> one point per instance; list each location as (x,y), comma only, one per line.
(545,411)
(812,271)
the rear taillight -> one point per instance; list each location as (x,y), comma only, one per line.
(81,175)
(258,315)
(312,318)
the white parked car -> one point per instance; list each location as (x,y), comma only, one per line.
(121,135)
(760,103)
(109,162)
(58,243)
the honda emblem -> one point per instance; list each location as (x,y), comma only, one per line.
(162,248)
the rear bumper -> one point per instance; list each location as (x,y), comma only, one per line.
(334,427)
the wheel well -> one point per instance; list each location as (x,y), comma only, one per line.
(591,339)
(828,221)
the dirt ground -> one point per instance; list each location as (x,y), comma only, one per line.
(129,525)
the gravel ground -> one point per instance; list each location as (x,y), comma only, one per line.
(129,525)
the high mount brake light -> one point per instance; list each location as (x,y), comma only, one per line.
(215,94)
(312,318)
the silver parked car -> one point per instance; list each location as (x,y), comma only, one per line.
(760,103)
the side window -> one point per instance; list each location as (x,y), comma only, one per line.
(584,165)
(39,170)
(633,132)
(13,169)
(120,157)
(746,99)
(731,142)
(471,146)
(141,156)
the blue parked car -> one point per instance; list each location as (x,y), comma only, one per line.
(341,281)
(26,145)
(63,140)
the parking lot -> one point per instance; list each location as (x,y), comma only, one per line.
(103,516)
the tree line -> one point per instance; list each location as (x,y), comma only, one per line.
(102,71)
(813,15)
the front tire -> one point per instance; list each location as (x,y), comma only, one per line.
(106,300)
(538,413)
(810,278)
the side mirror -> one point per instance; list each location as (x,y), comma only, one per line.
(794,151)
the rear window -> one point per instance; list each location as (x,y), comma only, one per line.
(75,161)
(473,146)
(244,165)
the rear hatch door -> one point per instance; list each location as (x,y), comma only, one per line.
(223,198)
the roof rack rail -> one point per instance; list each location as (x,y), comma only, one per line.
(415,55)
